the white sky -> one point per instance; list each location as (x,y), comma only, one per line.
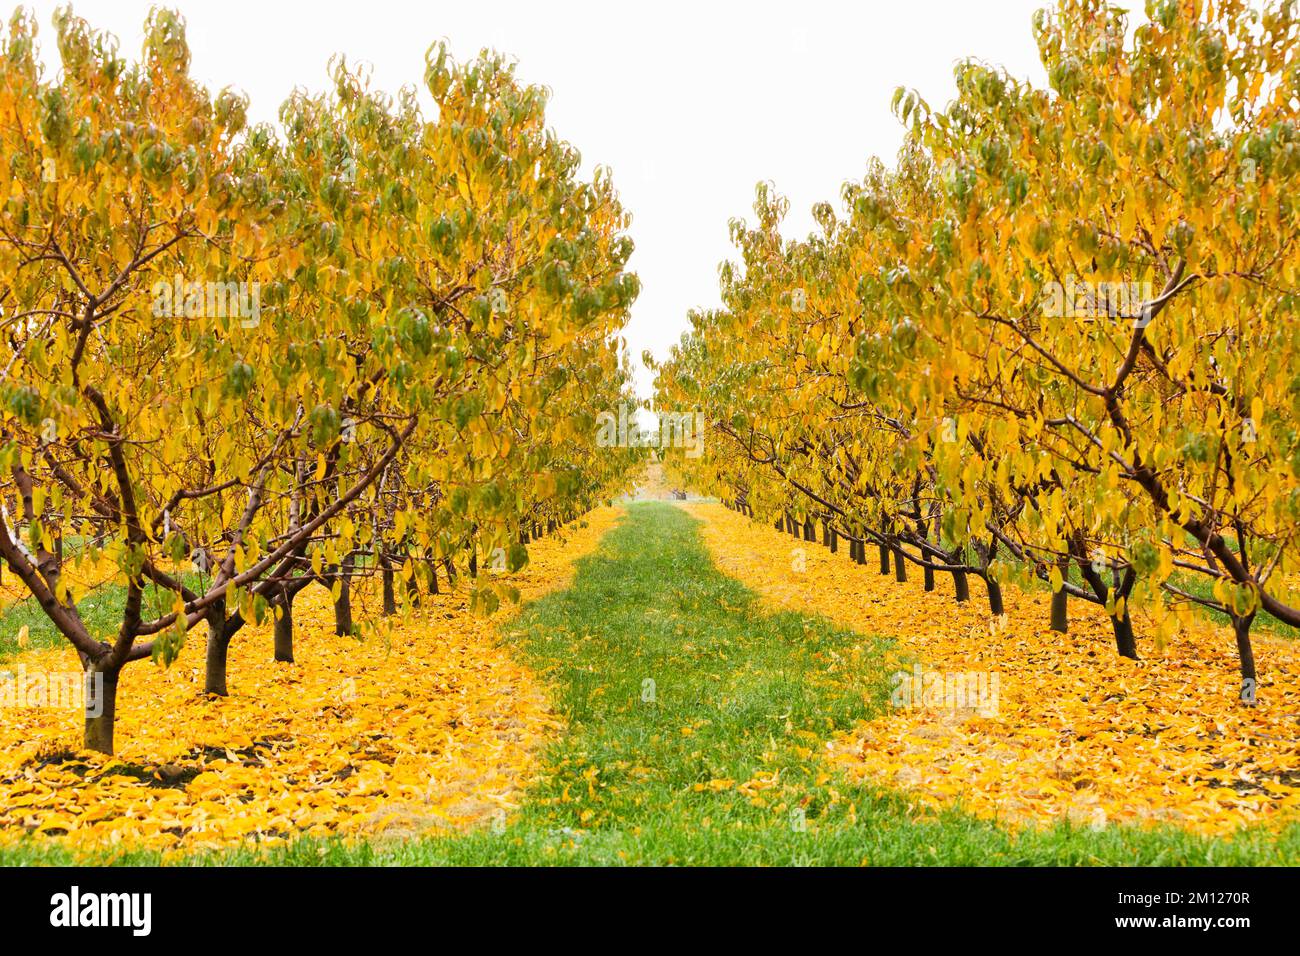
(689,103)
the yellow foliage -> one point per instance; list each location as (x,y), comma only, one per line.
(434,728)
(1079,733)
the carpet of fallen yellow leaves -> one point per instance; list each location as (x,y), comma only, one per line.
(432,727)
(1079,732)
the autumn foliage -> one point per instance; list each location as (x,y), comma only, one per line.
(1055,342)
(241,361)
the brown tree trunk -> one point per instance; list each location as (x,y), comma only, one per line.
(1125,643)
(961,584)
(1061,601)
(214,676)
(995,596)
(928,574)
(900,565)
(100,709)
(1061,611)
(284,630)
(390,593)
(884,559)
(343,604)
(1246,654)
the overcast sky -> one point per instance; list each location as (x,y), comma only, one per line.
(690,104)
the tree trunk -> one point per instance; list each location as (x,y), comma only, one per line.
(1125,643)
(1246,654)
(214,677)
(390,593)
(928,574)
(835,541)
(1061,600)
(995,596)
(900,565)
(100,709)
(961,584)
(343,604)
(284,630)
(884,559)
(1061,611)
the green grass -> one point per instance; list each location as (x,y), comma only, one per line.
(761,693)
(101,611)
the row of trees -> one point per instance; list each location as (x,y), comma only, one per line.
(238,363)
(1056,341)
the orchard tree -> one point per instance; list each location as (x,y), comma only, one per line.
(1063,325)
(225,352)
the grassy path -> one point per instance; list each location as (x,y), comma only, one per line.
(695,719)
(696,722)
(723,767)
